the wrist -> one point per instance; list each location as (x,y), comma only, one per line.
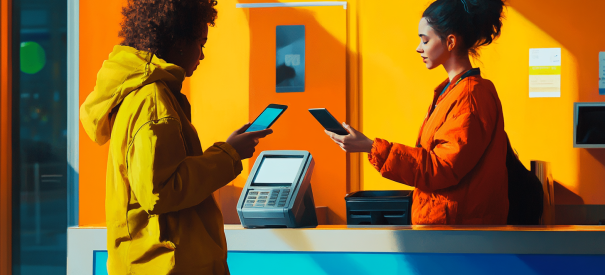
(370,146)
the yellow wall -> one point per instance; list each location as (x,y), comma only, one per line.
(394,85)
(219,88)
(397,88)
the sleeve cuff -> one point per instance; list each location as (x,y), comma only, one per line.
(380,153)
(229,150)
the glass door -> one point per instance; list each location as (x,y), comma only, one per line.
(40,149)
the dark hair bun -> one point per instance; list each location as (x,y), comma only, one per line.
(478,22)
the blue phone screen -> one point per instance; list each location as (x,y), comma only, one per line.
(264,120)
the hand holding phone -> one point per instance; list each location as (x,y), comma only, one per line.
(328,121)
(349,139)
(245,143)
(267,117)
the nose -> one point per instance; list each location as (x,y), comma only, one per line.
(419,48)
(202,56)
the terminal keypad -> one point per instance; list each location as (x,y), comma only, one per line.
(271,198)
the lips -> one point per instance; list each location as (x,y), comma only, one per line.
(424,59)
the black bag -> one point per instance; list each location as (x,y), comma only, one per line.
(525,193)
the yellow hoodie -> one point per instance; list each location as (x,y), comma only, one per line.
(161,215)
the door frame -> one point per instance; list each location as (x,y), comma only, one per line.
(6,98)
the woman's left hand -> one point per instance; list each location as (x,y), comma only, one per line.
(354,142)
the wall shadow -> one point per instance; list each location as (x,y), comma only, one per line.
(575,26)
(597,154)
(591,175)
(565,196)
(568,23)
(228,197)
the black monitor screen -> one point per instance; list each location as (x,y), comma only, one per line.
(591,125)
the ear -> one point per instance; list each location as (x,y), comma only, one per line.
(451,42)
(179,45)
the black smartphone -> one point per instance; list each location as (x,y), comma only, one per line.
(267,117)
(328,121)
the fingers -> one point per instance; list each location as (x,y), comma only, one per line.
(335,137)
(260,134)
(243,128)
(339,143)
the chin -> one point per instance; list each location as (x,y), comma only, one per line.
(430,66)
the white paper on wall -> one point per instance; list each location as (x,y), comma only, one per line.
(545,72)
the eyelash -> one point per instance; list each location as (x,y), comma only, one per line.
(424,42)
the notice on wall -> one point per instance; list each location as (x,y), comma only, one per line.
(545,72)
(602,73)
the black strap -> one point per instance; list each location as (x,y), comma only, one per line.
(471,72)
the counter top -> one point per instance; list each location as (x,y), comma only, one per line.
(569,228)
(559,239)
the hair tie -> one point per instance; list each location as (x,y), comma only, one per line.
(465,6)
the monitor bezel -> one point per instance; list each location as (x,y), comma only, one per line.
(576,108)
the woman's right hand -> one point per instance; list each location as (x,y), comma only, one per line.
(244,143)
(354,142)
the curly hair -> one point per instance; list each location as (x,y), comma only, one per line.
(156,25)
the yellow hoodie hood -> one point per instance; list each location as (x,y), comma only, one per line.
(126,70)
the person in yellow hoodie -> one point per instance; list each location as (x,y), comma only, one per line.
(161,215)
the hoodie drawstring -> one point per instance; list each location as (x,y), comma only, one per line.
(147,64)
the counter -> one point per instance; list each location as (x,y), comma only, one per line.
(389,250)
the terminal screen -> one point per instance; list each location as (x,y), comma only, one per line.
(276,171)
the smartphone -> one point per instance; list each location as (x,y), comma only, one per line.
(328,121)
(267,117)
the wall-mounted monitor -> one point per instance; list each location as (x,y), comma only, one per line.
(589,125)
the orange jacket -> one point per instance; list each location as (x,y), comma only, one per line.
(459,164)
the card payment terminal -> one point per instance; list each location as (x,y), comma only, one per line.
(278,191)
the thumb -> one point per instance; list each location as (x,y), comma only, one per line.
(348,127)
(243,128)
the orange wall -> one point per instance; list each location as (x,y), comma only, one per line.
(394,86)
(99,26)
(325,87)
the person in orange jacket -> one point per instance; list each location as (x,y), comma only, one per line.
(160,212)
(458,165)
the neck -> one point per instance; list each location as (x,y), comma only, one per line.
(456,65)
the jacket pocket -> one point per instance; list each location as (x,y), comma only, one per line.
(434,209)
